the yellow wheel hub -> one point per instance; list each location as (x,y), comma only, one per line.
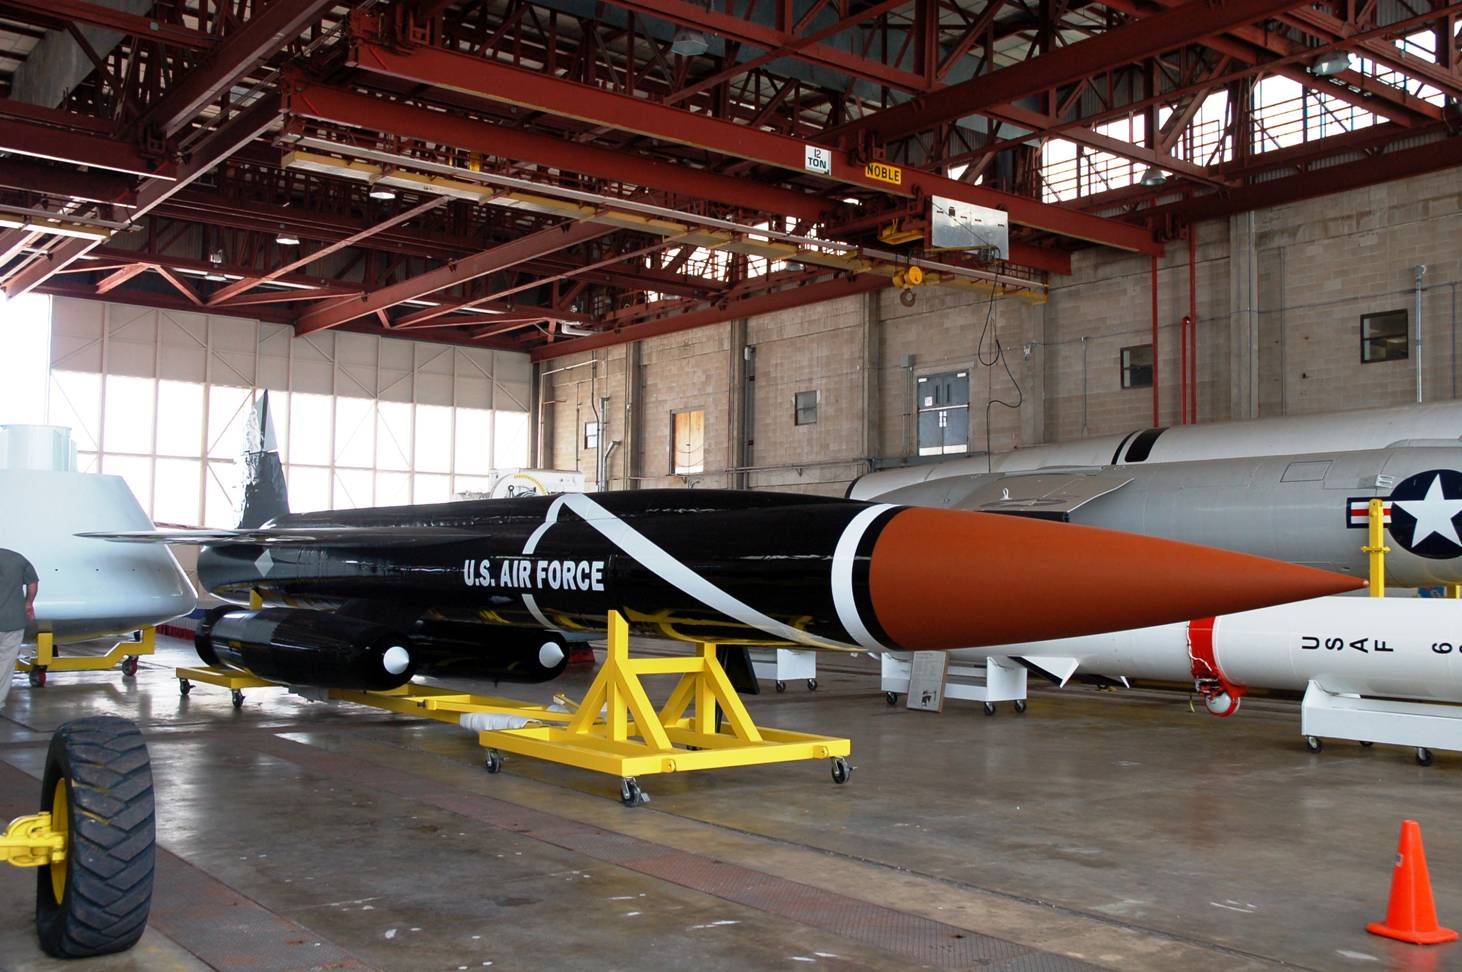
(60,821)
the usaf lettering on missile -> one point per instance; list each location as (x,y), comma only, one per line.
(523,574)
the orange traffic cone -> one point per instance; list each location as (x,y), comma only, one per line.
(1411,915)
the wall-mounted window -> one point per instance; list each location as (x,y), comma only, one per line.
(804,405)
(1137,366)
(591,435)
(944,413)
(1384,337)
(687,441)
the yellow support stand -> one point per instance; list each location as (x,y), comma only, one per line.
(615,730)
(1375,515)
(46,660)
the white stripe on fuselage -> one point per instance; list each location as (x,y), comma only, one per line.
(655,559)
(842,576)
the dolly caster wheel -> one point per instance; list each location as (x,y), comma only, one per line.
(238,699)
(1366,744)
(1423,756)
(494,763)
(781,686)
(1313,744)
(630,793)
(98,789)
(1019,706)
(812,685)
(891,698)
(989,708)
(184,687)
(129,666)
(37,677)
(842,770)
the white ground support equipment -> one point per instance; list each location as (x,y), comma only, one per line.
(998,679)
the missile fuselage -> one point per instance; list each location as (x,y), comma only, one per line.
(742,567)
(1407,648)
(1306,509)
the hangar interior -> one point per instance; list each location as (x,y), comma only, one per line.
(693,246)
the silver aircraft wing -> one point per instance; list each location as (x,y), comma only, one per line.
(287,536)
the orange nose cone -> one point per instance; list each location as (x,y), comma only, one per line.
(941,579)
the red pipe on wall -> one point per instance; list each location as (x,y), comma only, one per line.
(1154,344)
(1192,404)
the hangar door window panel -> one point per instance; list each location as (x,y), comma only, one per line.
(1137,366)
(175,491)
(510,439)
(76,402)
(1384,337)
(473,445)
(944,413)
(311,429)
(804,407)
(353,488)
(687,442)
(127,414)
(393,435)
(433,439)
(180,422)
(228,407)
(355,434)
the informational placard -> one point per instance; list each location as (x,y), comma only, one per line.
(818,159)
(955,225)
(926,681)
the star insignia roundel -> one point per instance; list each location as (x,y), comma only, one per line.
(1425,510)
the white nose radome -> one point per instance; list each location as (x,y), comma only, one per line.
(396,659)
(550,654)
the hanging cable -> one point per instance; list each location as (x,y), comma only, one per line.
(991,331)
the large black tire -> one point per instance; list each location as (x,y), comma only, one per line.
(101,768)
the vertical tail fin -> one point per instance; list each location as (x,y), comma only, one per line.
(265,495)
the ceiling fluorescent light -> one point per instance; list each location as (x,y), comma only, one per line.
(1329,65)
(574,330)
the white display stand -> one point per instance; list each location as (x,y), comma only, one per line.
(998,680)
(1423,725)
(784,665)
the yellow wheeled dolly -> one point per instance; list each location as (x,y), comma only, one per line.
(235,682)
(616,729)
(94,839)
(46,660)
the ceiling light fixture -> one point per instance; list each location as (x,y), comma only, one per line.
(214,273)
(286,238)
(1153,177)
(689,42)
(1329,65)
(381,192)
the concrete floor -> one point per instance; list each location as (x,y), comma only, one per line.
(1100,830)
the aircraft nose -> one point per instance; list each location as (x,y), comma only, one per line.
(943,579)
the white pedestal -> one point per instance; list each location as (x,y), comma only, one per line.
(1424,725)
(998,680)
(784,665)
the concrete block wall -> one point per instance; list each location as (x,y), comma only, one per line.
(1318,264)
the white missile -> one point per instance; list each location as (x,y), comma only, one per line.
(1402,648)
(1438,424)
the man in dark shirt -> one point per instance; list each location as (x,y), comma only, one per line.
(18,585)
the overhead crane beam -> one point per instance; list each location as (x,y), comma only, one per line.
(234,135)
(497,258)
(307,99)
(501,82)
(798,296)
